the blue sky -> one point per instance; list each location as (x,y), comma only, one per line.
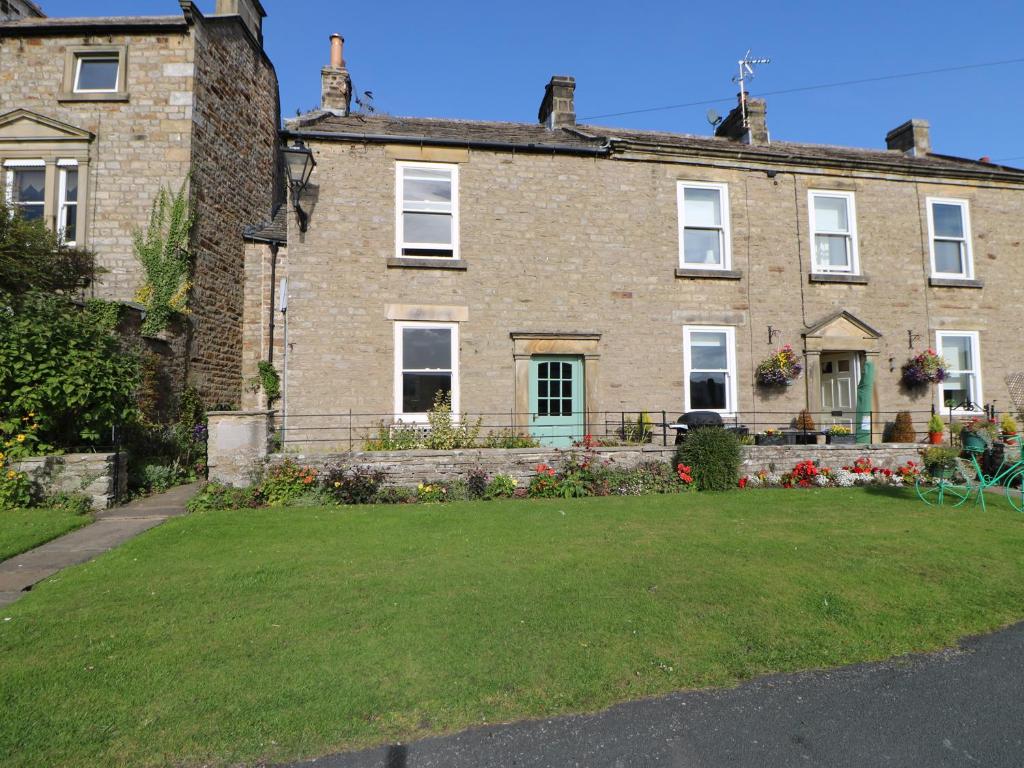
(487,60)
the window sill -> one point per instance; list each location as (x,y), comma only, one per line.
(71,96)
(955,282)
(412,262)
(711,274)
(829,277)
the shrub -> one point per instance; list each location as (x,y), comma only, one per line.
(16,490)
(502,486)
(444,434)
(476,485)
(903,429)
(397,437)
(545,483)
(714,455)
(352,485)
(153,475)
(73,503)
(936,424)
(395,496)
(214,496)
(1008,424)
(507,438)
(432,493)
(805,422)
(286,482)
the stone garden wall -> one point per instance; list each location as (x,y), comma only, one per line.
(103,477)
(409,468)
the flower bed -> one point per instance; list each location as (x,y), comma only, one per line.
(807,474)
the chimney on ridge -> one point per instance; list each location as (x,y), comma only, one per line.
(911,138)
(336,85)
(756,129)
(557,110)
(250,11)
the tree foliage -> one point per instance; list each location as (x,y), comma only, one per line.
(33,257)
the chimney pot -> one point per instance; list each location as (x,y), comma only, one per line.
(558,109)
(337,60)
(911,138)
(335,83)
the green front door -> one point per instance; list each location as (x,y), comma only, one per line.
(556,400)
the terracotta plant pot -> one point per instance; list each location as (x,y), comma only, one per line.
(935,438)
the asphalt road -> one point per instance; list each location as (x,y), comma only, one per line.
(962,707)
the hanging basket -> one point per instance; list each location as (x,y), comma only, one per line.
(779,370)
(927,368)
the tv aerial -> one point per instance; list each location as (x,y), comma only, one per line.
(746,65)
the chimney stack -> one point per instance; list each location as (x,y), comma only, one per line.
(911,138)
(250,12)
(557,110)
(756,129)
(336,85)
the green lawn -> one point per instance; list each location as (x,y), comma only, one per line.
(22,529)
(230,637)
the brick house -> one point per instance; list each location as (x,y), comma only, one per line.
(96,114)
(559,274)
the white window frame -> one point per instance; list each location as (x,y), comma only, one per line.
(63,166)
(968,253)
(976,396)
(101,56)
(12,165)
(726,227)
(851,235)
(400,243)
(400,369)
(730,372)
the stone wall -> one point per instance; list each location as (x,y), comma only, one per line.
(234,182)
(103,477)
(409,468)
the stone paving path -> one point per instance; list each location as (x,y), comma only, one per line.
(112,528)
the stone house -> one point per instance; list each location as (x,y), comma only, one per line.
(97,114)
(554,275)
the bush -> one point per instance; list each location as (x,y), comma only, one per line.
(214,496)
(805,422)
(938,458)
(286,482)
(903,429)
(153,475)
(714,455)
(74,503)
(476,485)
(401,437)
(16,490)
(507,438)
(936,424)
(502,487)
(395,496)
(352,485)
(444,434)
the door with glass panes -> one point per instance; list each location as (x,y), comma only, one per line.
(556,399)
(839,388)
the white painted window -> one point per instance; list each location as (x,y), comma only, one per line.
(427,210)
(97,72)
(703,225)
(67,201)
(962,351)
(833,232)
(426,363)
(709,368)
(949,238)
(26,187)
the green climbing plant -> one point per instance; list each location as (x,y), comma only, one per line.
(163,250)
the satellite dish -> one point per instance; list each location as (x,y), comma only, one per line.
(713,117)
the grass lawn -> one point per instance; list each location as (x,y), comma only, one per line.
(23,529)
(232,637)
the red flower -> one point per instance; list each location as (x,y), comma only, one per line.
(743,482)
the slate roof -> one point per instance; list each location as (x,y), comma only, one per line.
(274,230)
(594,139)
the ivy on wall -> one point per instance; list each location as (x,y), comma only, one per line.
(163,249)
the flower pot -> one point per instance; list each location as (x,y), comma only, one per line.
(769,440)
(935,438)
(840,439)
(973,442)
(805,438)
(1010,438)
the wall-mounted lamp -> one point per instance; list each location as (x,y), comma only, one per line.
(912,337)
(299,163)
(772,334)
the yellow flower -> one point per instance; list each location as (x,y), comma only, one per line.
(337,484)
(32,414)
(21,438)
(11,474)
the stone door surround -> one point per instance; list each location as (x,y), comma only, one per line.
(526,344)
